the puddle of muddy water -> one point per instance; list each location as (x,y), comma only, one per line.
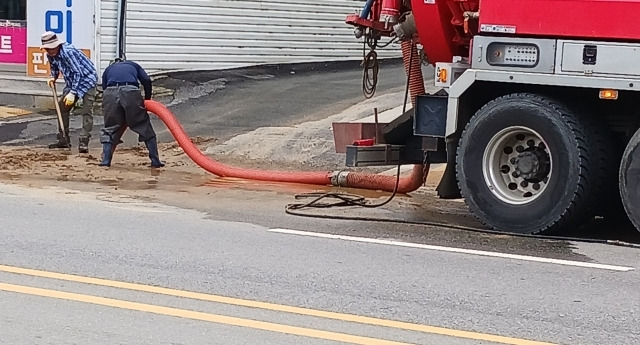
(131,184)
(155,179)
(10,176)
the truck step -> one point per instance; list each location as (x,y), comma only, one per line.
(346,133)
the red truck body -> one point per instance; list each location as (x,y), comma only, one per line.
(441,23)
(535,112)
(585,19)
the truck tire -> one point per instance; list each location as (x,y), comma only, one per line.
(629,179)
(529,164)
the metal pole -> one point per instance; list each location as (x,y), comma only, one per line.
(124,30)
(377,129)
(121,28)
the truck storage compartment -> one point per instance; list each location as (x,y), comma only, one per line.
(598,58)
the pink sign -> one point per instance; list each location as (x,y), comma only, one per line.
(13,42)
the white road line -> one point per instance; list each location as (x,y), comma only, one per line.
(456,250)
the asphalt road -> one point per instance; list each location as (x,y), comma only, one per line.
(459,287)
(469,296)
(272,95)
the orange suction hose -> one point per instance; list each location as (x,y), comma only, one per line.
(337,178)
(411,62)
(387,183)
(222,170)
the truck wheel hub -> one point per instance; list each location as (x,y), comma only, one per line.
(532,165)
(527,164)
(517,165)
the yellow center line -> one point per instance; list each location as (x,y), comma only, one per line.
(194,315)
(274,307)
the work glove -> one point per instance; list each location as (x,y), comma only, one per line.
(78,104)
(69,99)
(50,82)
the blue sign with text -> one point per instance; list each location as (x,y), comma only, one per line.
(55,21)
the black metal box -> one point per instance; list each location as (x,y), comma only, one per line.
(430,116)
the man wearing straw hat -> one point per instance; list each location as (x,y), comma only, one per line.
(80,77)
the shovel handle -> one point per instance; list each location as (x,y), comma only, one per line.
(55,100)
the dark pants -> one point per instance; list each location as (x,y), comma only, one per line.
(86,111)
(122,107)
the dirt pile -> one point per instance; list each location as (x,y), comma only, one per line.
(308,145)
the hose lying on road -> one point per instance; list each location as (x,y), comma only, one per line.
(337,178)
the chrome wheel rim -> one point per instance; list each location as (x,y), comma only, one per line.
(517,165)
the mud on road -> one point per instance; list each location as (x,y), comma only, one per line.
(184,183)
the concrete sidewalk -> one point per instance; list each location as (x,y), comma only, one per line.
(13,69)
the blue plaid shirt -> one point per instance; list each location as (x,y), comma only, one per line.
(79,73)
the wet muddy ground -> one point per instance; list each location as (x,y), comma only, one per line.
(183,183)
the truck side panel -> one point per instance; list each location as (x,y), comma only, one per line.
(601,19)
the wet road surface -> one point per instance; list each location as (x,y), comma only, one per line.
(232,238)
(466,295)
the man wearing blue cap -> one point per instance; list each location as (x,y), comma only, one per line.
(123,106)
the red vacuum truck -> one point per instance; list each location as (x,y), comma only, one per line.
(537,112)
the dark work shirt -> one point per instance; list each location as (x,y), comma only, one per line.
(127,72)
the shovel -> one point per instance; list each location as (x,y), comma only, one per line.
(55,99)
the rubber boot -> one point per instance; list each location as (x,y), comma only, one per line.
(61,143)
(83,146)
(107,154)
(152,146)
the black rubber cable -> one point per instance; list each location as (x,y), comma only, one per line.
(345,199)
(292,210)
(371,67)
(370,64)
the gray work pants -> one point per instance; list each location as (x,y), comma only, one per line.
(86,110)
(122,107)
